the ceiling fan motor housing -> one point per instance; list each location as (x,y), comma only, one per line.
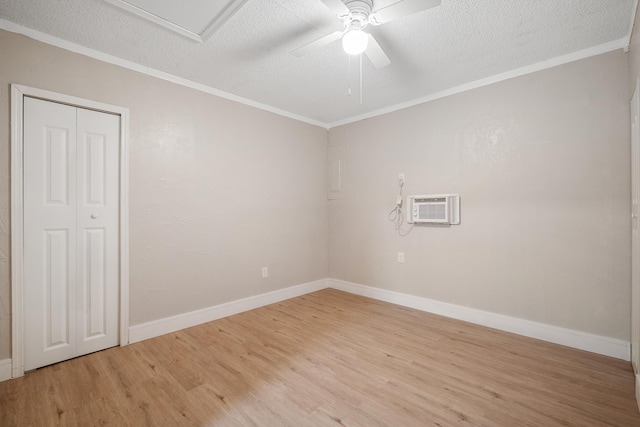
(359,11)
(355,15)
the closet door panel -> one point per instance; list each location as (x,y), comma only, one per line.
(50,232)
(98,229)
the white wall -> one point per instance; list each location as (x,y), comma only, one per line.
(217,189)
(541,163)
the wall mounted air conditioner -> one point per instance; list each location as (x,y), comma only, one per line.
(433,209)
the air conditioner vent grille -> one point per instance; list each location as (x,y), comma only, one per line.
(435,209)
(432,211)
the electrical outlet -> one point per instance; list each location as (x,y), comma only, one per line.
(265,272)
(401,257)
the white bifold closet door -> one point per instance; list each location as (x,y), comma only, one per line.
(71,208)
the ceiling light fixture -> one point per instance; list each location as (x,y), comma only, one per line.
(354,42)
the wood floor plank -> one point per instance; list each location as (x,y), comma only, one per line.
(328,359)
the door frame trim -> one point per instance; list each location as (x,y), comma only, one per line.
(18,92)
(634,108)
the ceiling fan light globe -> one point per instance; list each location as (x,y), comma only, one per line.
(355,42)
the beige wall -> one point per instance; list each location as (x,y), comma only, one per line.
(217,189)
(541,163)
(634,54)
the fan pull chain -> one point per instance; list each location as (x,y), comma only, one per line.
(360,79)
(349,76)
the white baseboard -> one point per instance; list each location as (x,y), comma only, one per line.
(581,340)
(181,321)
(594,343)
(5,369)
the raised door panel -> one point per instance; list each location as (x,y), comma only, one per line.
(56,166)
(50,232)
(94,284)
(56,289)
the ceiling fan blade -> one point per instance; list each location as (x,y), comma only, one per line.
(400,9)
(317,44)
(376,55)
(336,6)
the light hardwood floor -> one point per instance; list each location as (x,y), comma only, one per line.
(328,359)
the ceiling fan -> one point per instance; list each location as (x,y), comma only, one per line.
(355,16)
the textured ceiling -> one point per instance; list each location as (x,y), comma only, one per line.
(431,52)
